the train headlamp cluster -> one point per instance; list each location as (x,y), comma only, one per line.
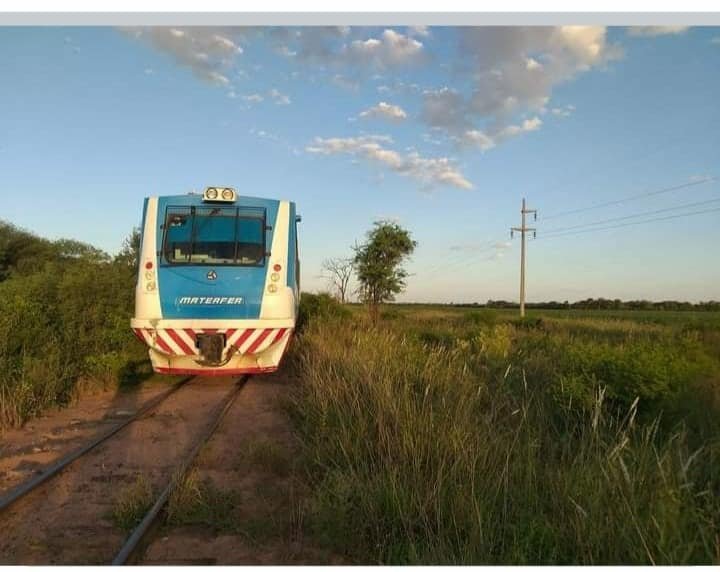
(150,283)
(219,195)
(272,287)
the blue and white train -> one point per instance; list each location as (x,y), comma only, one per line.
(218,282)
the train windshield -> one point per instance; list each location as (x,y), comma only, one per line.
(215,235)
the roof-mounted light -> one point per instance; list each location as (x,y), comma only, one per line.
(219,194)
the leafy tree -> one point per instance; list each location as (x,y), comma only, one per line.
(378,264)
(339,271)
(129,255)
(74,249)
(22,252)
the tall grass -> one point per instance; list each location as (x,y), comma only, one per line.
(471,446)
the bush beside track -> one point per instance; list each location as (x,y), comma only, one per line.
(64,311)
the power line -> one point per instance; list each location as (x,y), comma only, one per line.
(632,223)
(634,197)
(646,213)
(464,257)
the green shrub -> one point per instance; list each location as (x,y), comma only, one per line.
(319,306)
(64,317)
(654,369)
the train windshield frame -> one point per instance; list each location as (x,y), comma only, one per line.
(208,235)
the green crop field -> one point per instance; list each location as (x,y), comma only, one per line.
(454,435)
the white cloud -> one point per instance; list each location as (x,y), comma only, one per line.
(564,111)
(308,43)
(498,247)
(702,178)
(487,140)
(652,31)
(419,31)
(218,78)
(390,50)
(430,171)
(445,108)
(262,134)
(532,64)
(212,52)
(279,98)
(253,98)
(505,82)
(514,70)
(384,111)
(207,51)
(477,138)
(513,130)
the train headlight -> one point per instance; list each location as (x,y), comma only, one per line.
(272,288)
(150,286)
(219,194)
(149,275)
(274,277)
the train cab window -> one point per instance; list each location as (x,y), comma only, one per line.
(214,235)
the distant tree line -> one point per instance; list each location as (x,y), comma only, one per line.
(601,304)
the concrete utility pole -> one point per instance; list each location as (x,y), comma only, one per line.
(523,230)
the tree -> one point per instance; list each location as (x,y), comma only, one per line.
(76,250)
(129,255)
(22,252)
(339,271)
(378,264)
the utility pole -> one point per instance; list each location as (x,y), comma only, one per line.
(523,230)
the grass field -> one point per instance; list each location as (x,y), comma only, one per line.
(453,435)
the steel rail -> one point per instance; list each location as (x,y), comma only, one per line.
(52,470)
(133,542)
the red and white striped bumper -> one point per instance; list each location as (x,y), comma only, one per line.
(182,341)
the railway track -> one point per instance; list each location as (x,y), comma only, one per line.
(131,546)
(19,491)
(41,492)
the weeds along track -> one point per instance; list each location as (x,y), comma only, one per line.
(69,513)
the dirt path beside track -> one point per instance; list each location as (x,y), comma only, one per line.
(68,520)
(25,451)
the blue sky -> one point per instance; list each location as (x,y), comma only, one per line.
(442,129)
